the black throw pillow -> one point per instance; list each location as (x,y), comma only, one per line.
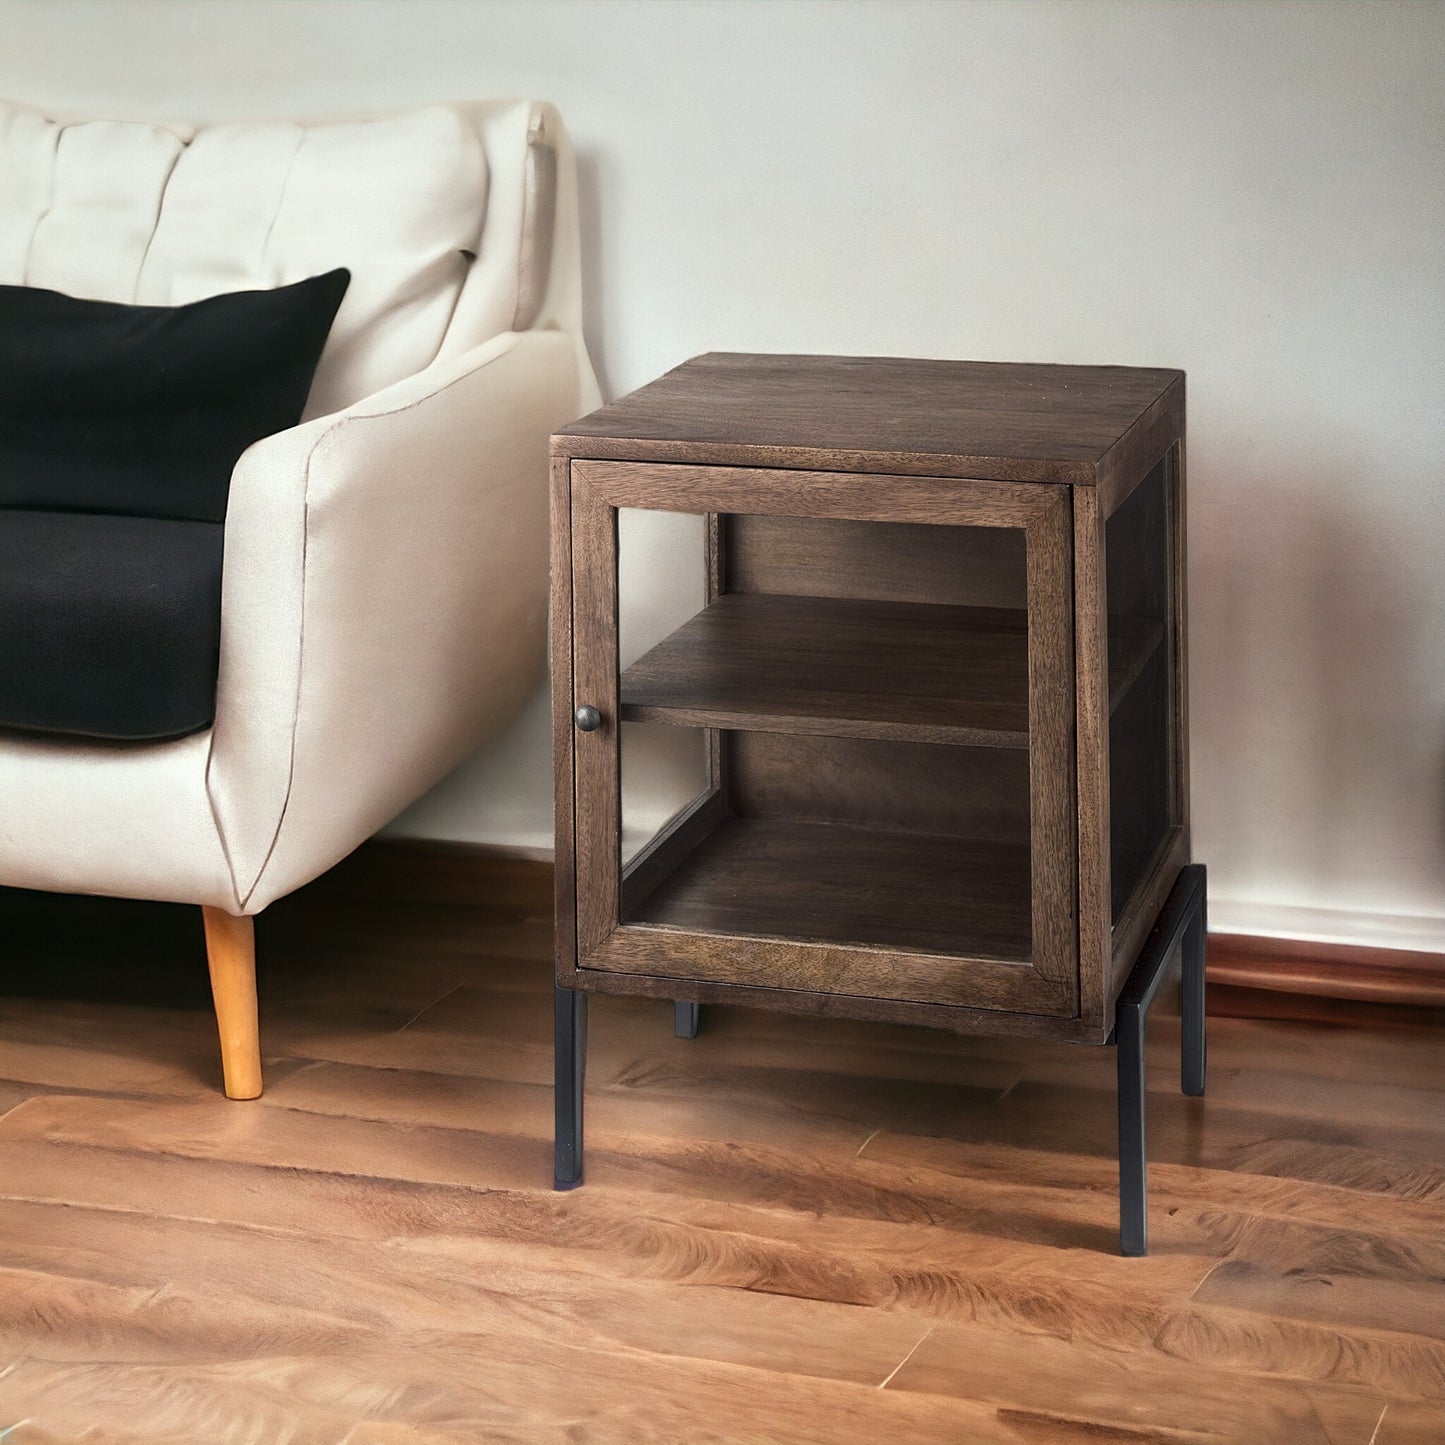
(119,430)
(144,410)
(110,627)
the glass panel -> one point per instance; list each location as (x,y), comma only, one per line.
(824,715)
(661,576)
(1142,805)
(664,771)
(662,583)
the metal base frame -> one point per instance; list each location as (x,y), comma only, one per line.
(1181,927)
(570,1042)
(570,1064)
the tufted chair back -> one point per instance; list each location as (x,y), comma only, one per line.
(440,252)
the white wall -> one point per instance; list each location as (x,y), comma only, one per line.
(1250,191)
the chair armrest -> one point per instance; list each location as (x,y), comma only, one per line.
(383,603)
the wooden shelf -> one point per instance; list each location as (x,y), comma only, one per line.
(1132,642)
(844,667)
(828,883)
(914,671)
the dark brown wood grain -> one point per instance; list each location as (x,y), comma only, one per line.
(831,883)
(841,666)
(885,561)
(1098,988)
(595,755)
(1152,435)
(969,419)
(1053,842)
(977,793)
(559,628)
(859,596)
(1041,979)
(855,668)
(778,904)
(948,1018)
(848,496)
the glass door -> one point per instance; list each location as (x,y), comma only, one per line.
(833,752)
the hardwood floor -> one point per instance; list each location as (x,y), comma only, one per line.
(792,1231)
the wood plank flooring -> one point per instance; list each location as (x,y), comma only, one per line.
(792,1230)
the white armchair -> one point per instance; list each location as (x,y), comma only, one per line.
(385,574)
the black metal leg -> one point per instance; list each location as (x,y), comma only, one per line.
(1181,922)
(1133,1161)
(571,1064)
(685,1019)
(1193,1044)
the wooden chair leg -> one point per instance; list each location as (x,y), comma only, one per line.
(231,950)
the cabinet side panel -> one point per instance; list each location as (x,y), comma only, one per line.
(1143,746)
(564,800)
(1179,580)
(1137,913)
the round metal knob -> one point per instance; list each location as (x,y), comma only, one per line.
(587,718)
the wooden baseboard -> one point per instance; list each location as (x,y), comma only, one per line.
(1255,977)
(1262,1003)
(1328,970)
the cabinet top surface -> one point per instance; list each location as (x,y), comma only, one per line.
(995,420)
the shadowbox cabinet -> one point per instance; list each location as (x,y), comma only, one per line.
(869,702)
(895,726)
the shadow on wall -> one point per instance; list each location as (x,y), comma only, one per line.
(1314,635)
(589,217)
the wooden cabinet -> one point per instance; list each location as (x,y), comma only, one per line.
(905,739)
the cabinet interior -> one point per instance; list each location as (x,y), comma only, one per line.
(843,725)
(857,700)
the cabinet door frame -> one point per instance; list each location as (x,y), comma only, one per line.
(1048,984)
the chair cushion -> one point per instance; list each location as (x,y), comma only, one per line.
(135,212)
(145,410)
(110,627)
